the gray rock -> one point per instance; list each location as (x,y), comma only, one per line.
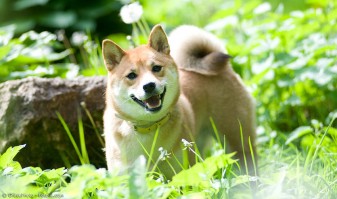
(28,116)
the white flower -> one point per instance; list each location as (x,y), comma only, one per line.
(73,71)
(78,38)
(163,154)
(187,144)
(131,13)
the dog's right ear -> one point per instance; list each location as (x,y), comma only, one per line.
(112,54)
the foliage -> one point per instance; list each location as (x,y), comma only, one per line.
(175,12)
(47,55)
(70,15)
(31,54)
(285,173)
(88,182)
(30,182)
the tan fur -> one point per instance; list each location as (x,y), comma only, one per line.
(203,87)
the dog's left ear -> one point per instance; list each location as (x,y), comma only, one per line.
(158,40)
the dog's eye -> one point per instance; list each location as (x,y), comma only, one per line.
(132,76)
(156,68)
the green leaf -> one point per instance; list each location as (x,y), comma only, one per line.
(37,55)
(81,175)
(312,141)
(4,50)
(299,132)
(23,4)
(50,176)
(59,19)
(202,172)
(6,159)
(331,131)
(6,34)
(20,184)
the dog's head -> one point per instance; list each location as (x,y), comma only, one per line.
(143,82)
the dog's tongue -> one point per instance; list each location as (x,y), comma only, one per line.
(153,101)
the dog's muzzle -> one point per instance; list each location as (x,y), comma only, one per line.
(153,103)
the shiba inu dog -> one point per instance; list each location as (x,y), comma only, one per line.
(174,86)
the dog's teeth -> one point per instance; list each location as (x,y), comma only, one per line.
(153,101)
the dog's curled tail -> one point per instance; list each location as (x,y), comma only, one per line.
(194,49)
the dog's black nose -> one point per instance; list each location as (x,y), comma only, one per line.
(148,88)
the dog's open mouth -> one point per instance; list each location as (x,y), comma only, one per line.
(153,103)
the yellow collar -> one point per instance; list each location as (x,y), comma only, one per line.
(154,126)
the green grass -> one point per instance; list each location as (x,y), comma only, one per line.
(288,61)
(284,172)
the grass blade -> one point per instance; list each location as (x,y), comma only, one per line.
(98,134)
(216,132)
(152,148)
(243,148)
(82,138)
(253,156)
(320,144)
(72,140)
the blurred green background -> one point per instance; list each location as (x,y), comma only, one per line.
(284,50)
(102,16)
